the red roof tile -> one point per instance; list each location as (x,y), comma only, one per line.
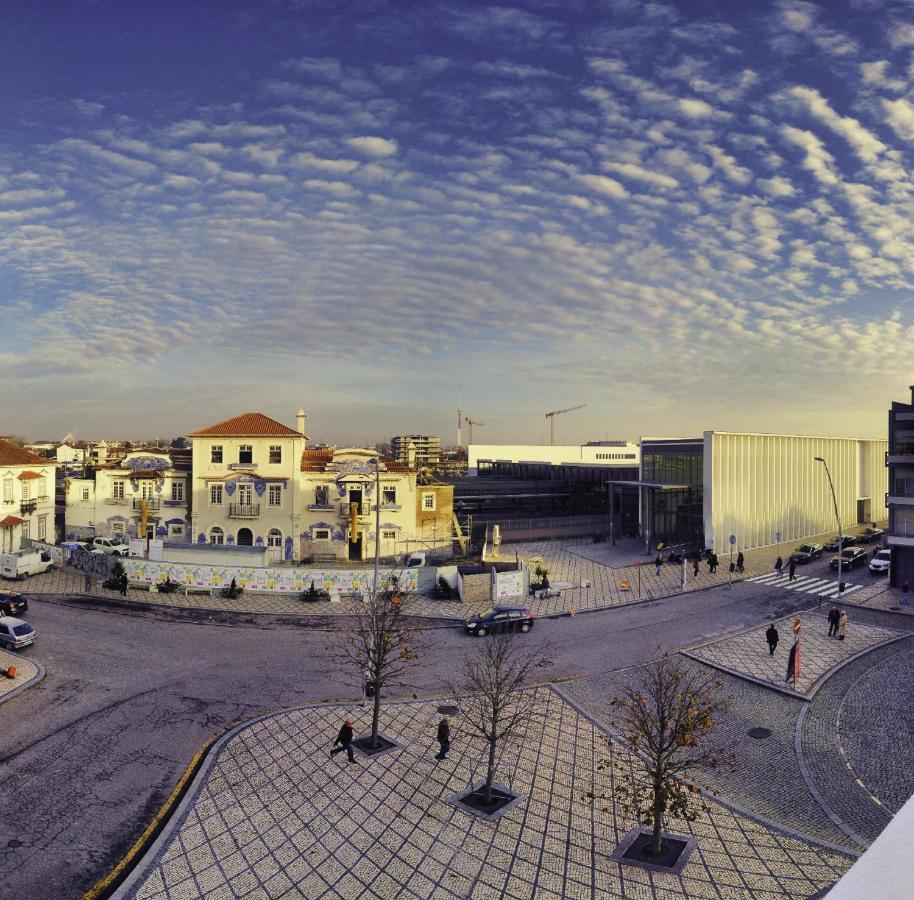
(25,476)
(247,425)
(315,460)
(10,521)
(11,455)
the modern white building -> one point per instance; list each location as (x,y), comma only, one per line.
(761,488)
(610,453)
(143,495)
(27,499)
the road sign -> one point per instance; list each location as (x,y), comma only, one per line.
(732,539)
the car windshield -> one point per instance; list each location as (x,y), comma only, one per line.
(805,549)
(853,551)
(22,630)
(884,554)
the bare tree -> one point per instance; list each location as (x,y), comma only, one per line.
(491,693)
(664,717)
(382,644)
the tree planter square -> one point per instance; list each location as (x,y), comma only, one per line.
(473,801)
(385,745)
(635,846)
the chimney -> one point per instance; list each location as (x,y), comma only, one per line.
(411,455)
(300,418)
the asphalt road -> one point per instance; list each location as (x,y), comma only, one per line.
(88,756)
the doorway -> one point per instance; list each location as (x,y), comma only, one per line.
(864,511)
(355,496)
(245,537)
(355,547)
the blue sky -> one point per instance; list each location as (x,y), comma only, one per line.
(687,215)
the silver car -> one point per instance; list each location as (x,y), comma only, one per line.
(15,634)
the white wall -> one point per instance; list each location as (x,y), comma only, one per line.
(556,455)
(756,485)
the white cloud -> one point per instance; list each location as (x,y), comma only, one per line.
(310,161)
(638,173)
(866,145)
(900,115)
(776,186)
(376,147)
(818,160)
(694,108)
(340,188)
(609,187)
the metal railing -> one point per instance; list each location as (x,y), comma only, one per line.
(27,506)
(244,510)
(151,502)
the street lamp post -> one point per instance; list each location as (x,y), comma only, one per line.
(834,501)
(377,525)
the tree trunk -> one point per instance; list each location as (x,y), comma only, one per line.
(375,718)
(490,773)
(657,837)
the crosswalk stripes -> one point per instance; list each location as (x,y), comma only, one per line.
(821,587)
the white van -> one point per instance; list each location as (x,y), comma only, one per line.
(22,563)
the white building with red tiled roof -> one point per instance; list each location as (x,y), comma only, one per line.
(26,497)
(246,483)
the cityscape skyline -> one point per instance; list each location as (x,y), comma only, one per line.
(685,216)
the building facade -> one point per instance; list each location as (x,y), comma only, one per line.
(900,464)
(246,483)
(613,453)
(416,450)
(27,499)
(142,495)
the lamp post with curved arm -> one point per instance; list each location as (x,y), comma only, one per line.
(834,501)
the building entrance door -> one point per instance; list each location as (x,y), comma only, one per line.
(245,537)
(355,547)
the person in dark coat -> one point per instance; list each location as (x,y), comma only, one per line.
(771,635)
(344,739)
(444,738)
(124,584)
(792,569)
(695,568)
(833,616)
(790,661)
(740,561)
(712,563)
(779,566)
(905,588)
(658,564)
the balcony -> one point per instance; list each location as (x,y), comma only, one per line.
(116,501)
(28,506)
(320,507)
(241,465)
(152,503)
(173,503)
(244,510)
(364,510)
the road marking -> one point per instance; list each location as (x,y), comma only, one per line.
(824,587)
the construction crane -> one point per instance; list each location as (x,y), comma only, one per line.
(557,412)
(471,423)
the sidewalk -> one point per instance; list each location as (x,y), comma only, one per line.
(271,815)
(26,673)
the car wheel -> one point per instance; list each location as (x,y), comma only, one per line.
(482,632)
(525,627)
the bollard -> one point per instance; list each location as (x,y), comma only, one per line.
(11,672)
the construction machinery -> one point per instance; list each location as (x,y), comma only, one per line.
(551,417)
(471,423)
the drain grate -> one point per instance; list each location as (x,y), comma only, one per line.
(759,733)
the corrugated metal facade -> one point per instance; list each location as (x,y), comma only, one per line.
(757,485)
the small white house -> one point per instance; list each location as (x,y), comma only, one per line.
(26,497)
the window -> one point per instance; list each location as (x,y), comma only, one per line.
(274,497)
(85,493)
(215,495)
(275,453)
(321,534)
(176,531)
(215,453)
(428,501)
(274,538)
(245,453)
(117,490)
(42,527)
(321,497)
(8,489)
(27,490)
(25,529)
(389,496)
(389,535)
(177,491)
(216,535)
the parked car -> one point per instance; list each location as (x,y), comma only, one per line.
(110,545)
(846,541)
(22,563)
(807,553)
(879,564)
(499,619)
(15,634)
(870,535)
(850,558)
(11,603)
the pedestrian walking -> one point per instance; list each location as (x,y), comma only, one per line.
(658,564)
(772,636)
(695,568)
(791,660)
(779,566)
(833,616)
(792,569)
(444,737)
(124,583)
(712,563)
(740,561)
(842,625)
(904,594)
(344,739)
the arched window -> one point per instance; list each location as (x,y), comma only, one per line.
(274,538)
(216,535)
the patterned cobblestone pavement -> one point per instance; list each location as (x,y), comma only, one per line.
(747,653)
(25,669)
(875,722)
(274,817)
(764,775)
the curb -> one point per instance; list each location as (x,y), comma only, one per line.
(781,689)
(708,794)
(35,679)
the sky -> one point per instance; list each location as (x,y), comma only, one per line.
(686,215)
